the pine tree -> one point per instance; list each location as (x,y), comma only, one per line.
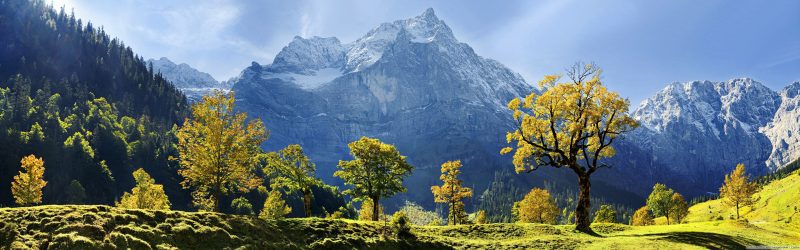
(451,192)
(738,191)
(145,195)
(27,187)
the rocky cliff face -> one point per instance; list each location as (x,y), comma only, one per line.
(409,82)
(784,129)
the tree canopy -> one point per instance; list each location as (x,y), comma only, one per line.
(537,207)
(572,125)
(219,150)
(295,172)
(145,195)
(376,172)
(738,190)
(27,186)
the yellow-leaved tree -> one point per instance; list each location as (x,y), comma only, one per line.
(451,191)
(274,207)
(738,191)
(27,187)
(219,150)
(642,217)
(570,125)
(368,209)
(536,207)
(294,171)
(145,195)
(376,172)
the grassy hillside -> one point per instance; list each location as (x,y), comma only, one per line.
(81,227)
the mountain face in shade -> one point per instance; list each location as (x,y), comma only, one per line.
(408,82)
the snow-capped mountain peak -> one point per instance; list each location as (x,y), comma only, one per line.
(310,54)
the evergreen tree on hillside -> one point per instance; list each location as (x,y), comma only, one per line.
(738,191)
(572,125)
(451,192)
(219,150)
(27,186)
(376,172)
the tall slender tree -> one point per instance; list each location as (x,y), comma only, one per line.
(572,125)
(219,150)
(451,191)
(295,172)
(738,190)
(376,172)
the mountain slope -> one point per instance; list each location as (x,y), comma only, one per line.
(85,103)
(409,82)
(784,129)
(193,83)
(697,131)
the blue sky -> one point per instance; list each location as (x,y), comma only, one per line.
(642,45)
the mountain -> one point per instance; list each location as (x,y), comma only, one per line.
(784,129)
(409,82)
(693,133)
(192,82)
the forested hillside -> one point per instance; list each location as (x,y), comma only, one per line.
(85,103)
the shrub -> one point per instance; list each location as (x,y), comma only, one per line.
(242,205)
(642,217)
(400,225)
(480,217)
(418,215)
(606,214)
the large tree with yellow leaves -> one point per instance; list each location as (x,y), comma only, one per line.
(738,191)
(27,186)
(451,191)
(219,150)
(572,124)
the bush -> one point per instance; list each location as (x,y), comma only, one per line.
(242,206)
(400,225)
(606,214)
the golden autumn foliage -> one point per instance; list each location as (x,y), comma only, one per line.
(738,191)
(376,172)
(571,124)
(679,208)
(537,207)
(275,207)
(145,195)
(27,187)
(219,150)
(367,210)
(451,191)
(480,217)
(642,217)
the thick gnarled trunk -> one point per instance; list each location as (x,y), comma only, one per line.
(582,222)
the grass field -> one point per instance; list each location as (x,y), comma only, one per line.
(88,227)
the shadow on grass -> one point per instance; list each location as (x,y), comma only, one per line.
(707,240)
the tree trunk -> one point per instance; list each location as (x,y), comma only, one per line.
(307,202)
(582,222)
(737,210)
(375,208)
